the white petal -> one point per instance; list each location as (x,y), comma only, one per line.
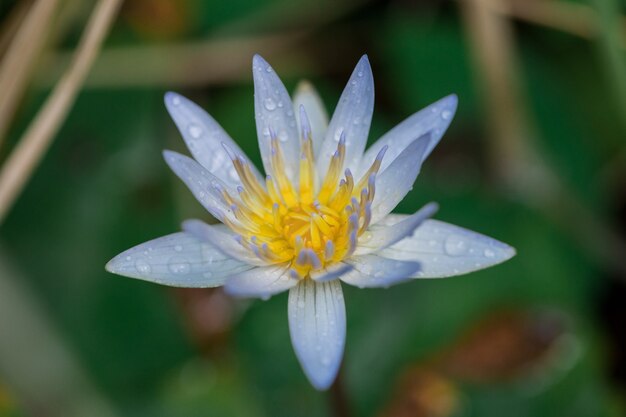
(317,323)
(274,110)
(222,238)
(380,236)
(178,260)
(445,250)
(331,272)
(352,116)
(204,185)
(434,119)
(260,282)
(204,138)
(372,271)
(307,96)
(397,180)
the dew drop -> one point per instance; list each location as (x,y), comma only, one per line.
(142,266)
(282,136)
(178,248)
(325,361)
(176,101)
(280,104)
(455,245)
(195,131)
(432,243)
(128,258)
(268,69)
(360,73)
(489,253)
(446,114)
(338,133)
(269,104)
(179,266)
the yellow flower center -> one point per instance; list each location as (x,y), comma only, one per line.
(307,225)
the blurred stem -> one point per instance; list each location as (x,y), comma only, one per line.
(12,23)
(18,62)
(39,134)
(611,42)
(338,396)
(36,362)
(515,160)
(574,18)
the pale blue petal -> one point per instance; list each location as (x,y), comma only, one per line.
(222,238)
(205,138)
(307,96)
(177,260)
(204,185)
(317,323)
(262,282)
(352,117)
(331,272)
(274,110)
(397,180)
(379,236)
(445,250)
(433,119)
(372,271)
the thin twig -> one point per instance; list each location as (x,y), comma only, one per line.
(176,65)
(11,24)
(574,18)
(516,161)
(37,138)
(18,62)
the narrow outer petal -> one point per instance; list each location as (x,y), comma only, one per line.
(445,250)
(260,282)
(274,110)
(178,260)
(204,138)
(307,96)
(222,238)
(331,272)
(372,271)
(201,183)
(433,119)
(352,117)
(379,236)
(397,180)
(317,323)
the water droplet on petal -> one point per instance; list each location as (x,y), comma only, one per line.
(179,266)
(282,136)
(269,104)
(360,73)
(142,266)
(446,114)
(178,248)
(489,253)
(455,245)
(195,131)
(176,101)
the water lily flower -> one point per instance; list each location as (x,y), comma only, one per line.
(320,217)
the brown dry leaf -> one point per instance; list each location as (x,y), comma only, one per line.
(503,346)
(423,393)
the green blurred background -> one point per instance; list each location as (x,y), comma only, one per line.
(535,157)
